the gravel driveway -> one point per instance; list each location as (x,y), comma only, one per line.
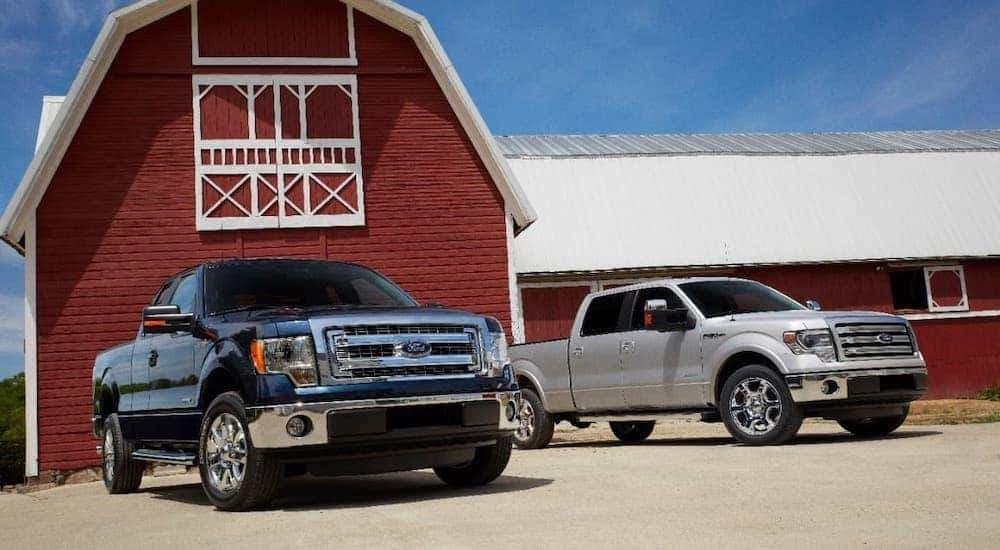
(688,486)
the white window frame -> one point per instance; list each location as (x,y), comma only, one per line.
(198,60)
(932,305)
(256,174)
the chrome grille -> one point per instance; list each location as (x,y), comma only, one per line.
(873,340)
(381,351)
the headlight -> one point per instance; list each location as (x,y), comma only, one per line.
(496,354)
(814,342)
(293,357)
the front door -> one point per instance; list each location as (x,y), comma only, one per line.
(173,378)
(660,370)
(595,355)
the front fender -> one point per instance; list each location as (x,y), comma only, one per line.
(228,357)
(750,342)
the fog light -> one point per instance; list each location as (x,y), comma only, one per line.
(511,411)
(298,426)
(829,387)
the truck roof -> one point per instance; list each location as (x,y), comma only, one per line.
(668,281)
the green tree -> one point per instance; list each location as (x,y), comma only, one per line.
(12,408)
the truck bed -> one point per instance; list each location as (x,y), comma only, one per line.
(547,365)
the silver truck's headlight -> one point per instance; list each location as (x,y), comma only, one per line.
(496,353)
(817,342)
(293,357)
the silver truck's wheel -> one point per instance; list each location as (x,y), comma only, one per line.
(121,474)
(535,426)
(757,407)
(234,475)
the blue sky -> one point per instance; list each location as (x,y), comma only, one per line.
(626,66)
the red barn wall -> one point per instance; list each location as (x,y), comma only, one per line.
(962,353)
(119,215)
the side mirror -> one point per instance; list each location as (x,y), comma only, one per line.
(814,305)
(657,316)
(166,320)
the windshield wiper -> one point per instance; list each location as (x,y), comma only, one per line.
(254,307)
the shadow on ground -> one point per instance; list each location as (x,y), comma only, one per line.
(802,439)
(307,493)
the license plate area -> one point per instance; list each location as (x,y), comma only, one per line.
(379,421)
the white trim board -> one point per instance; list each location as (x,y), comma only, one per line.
(30,351)
(131,18)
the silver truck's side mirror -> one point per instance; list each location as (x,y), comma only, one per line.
(814,305)
(659,316)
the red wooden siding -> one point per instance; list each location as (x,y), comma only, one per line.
(963,354)
(119,216)
(549,312)
(273,28)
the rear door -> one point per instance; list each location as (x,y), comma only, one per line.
(594,354)
(660,370)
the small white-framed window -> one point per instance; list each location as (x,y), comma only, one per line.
(946,288)
(936,289)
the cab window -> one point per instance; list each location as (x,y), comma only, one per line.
(656,293)
(184,296)
(603,315)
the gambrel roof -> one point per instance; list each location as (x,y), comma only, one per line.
(145,12)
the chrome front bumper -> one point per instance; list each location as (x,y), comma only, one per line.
(844,385)
(267,425)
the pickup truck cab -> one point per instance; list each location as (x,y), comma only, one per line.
(251,368)
(731,349)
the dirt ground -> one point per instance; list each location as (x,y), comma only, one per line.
(688,486)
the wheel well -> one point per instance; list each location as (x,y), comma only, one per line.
(525,382)
(738,361)
(217,383)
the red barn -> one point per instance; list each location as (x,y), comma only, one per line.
(233,128)
(208,129)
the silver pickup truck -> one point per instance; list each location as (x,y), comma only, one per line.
(734,350)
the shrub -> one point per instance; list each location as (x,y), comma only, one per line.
(12,430)
(11,462)
(992,394)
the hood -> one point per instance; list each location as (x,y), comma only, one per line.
(808,314)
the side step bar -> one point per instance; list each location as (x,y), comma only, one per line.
(179,458)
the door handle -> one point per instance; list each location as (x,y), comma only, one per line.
(628,347)
(154,357)
(578,352)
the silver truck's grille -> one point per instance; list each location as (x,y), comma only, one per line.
(873,340)
(379,351)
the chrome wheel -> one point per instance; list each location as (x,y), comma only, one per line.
(755,406)
(109,456)
(526,421)
(226,453)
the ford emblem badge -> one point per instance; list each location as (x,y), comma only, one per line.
(884,338)
(415,349)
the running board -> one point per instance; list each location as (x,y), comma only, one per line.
(179,458)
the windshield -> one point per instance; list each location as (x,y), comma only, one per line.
(721,298)
(297,284)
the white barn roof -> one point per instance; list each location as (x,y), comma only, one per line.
(623,207)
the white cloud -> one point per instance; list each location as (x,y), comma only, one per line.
(16,54)
(11,324)
(9,257)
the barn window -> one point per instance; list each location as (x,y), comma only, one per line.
(934,289)
(276,152)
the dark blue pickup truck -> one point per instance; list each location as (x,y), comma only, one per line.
(252,369)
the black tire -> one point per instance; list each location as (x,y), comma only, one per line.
(262,475)
(120,472)
(489,463)
(875,427)
(784,422)
(632,432)
(540,422)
